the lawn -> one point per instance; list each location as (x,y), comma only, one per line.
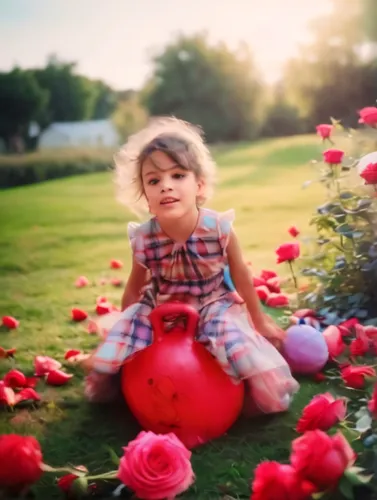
(53,232)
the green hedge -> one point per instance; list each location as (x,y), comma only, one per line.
(18,170)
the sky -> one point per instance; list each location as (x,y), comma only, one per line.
(113,40)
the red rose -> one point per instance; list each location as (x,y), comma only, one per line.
(277,300)
(372,404)
(156,466)
(334,341)
(65,482)
(322,459)
(369,174)
(323,412)
(263,292)
(78,314)
(324,130)
(20,462)
(368,115)
(274,284)
(45,364)
(293,231)
(346,327)
(266,274)
(259,281)
(287,252)
(354,376)
(15,379)
(333,156)
(116,264)
(58,377)
(10,322)
(273,480)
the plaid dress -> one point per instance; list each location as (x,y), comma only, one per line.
(193,272)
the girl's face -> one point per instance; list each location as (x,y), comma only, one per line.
(171,190)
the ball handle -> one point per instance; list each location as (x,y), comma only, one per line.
(173,309)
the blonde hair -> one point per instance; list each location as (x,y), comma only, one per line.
(178,139)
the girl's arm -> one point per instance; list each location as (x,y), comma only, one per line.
(134,285)
(243,282)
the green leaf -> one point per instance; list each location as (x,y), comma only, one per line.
(79,487)
(355,478)
(114,457)
(346,488)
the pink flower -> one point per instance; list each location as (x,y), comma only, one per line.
(58,377)
(324,130)
(44,365)
(368,116)
(333,156)
(81,282)
(287,252)
(334,341)
(156,466)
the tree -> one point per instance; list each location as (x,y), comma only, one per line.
(129,116)
(71,95)
(21,101)
(207,85)
(330,78)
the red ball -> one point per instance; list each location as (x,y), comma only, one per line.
(176,385)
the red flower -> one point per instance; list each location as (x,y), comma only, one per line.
(7,353)
(78,314)
(293,231)
(287,252)
(346,327)
(277,300)
(266,274)
(372,404)
(259,281)
(354,376)
(368,116)
(20,462)
(65,482)
(322,459)
(10,322)
(323,412)
(263,292)
(333,156)
(57,377)
(324,130)
(369,174)
(273,285)
(71,353)
(319,377)
(334,341)
(116,282)
(116,264)
(15,379)
(273,480)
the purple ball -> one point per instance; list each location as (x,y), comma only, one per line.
(305,350)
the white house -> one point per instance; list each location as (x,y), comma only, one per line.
(93,133)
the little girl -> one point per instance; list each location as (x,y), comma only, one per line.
(180,253)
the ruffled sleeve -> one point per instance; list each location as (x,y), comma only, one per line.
(225,224)
(136,238)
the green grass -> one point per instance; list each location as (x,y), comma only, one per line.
(51,233)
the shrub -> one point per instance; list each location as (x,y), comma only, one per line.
(342,269)
(38,167)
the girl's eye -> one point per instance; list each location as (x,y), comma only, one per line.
(178,176)
(153,182)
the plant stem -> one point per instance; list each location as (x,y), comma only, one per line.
(293,274)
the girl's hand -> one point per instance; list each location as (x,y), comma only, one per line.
(272,332)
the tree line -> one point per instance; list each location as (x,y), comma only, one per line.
(212,86)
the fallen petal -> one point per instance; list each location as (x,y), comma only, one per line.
(27,395)
(45,364)
(116,264)
(78,314)
(81,282)
(7,395)
(71,353)
(14,379)
(58,377)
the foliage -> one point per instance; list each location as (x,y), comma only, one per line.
(129,116)
(206,85)
(21,100)
(35,167)
(343,267)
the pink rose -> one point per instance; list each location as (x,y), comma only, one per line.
(368,116)
(156,467)
(334,341)
(323,412)
(45,364)
(324,130)
(322,459)
(333,156)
